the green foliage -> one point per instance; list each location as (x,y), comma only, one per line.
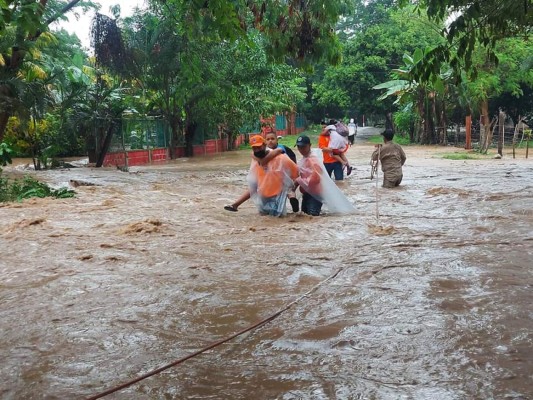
(405,120)
(369,55)
(17,190)
(506,76)
(304,31)
(474,23)
(525,143)
(5,154)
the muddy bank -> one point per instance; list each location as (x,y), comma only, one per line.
(433,300)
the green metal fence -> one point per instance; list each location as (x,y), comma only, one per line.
(281,122)
(251,128)
(144,132)
(141,133)
(203,132)
(301,121)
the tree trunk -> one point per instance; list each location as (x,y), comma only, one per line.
(190,129)
(468,127)
(484,130)
(501,132)
(4,118)
(443,125)
(433,118)
(412,131)
(422,114)
(515,135)
(106,144)
(289,116)
(173,137)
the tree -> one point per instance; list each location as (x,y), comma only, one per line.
(368,58)
(428,99)
(21,24)
(493,80)
(205,84)
(301,30)
(472,23)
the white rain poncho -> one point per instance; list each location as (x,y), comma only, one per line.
(269,185)
(315,180)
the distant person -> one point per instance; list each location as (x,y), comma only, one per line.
(316,186)
(273,149)
(352,129)
(392,158)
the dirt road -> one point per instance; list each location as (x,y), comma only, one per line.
(434,299)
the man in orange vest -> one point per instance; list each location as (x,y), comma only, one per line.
(331,163)
(270,184)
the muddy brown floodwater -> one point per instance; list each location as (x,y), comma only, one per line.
(434,300)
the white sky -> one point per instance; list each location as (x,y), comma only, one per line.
(82,25)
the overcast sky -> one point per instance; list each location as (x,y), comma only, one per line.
(82,25)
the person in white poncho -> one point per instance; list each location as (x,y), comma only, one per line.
(315,184)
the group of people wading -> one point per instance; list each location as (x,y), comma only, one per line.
(275,175)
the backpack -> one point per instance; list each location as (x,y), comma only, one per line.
(289,153)
(342,129)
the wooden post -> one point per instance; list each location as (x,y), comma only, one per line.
(501,132)
(468,144)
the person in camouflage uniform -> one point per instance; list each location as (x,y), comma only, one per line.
(392,157)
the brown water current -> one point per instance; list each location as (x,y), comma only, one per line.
(434,300)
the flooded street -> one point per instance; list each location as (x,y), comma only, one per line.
(433,301)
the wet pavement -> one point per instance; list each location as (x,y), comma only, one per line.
(433,300)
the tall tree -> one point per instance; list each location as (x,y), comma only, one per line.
(205,83)
(22,22)
(302,30)
(471,23)
(368,58)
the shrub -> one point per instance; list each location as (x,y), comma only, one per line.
(19,189)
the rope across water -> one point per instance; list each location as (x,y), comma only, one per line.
(218,343)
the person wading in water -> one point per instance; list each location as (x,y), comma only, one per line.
(392,157)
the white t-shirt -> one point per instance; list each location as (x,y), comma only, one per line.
(351,128)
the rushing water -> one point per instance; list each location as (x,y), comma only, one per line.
(433,301)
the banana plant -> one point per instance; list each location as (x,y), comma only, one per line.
(423,95)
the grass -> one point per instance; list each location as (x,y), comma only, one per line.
(401,140)
(523,144)
(461,156)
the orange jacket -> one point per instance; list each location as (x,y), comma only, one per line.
(270,180)
(323,142)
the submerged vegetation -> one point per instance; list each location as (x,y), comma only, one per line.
(28,187)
